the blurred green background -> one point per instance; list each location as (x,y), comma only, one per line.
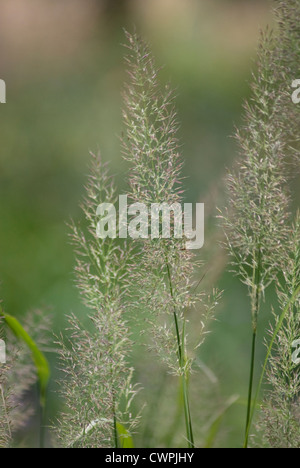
(62,61)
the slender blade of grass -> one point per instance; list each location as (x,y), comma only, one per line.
(184,377)
(39,360)
(217,420)
(125,439)
(250,390)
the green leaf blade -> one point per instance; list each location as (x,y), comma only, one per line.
(40,361)
(125,439)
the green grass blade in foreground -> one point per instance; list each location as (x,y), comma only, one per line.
(217,420)
(40,362)
(276,331)
(125,439)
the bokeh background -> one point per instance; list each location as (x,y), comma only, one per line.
(62,61)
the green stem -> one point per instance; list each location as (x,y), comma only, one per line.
(116,432)
(42,424)
(187,413)
(270,347)
(184,377)
(115,422)
(255,312)
(250,389)
(179,345)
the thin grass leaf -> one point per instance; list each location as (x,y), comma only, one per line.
(125,439)
(216,422)
(40,362)
(90,428)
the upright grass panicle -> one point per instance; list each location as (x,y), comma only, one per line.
(165,269)
(280,419)
(256,221)
(279,423)
(98,387)
(18,375)
(286,68)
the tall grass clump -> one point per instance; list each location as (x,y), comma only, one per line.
(280,420)
(258,210)
(98,388)
(164,272)
(256,221)
(279,423)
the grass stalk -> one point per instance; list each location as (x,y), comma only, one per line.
(269,350)
(250,389)
(115,432)
(187,412)
(184,376)
(42,426)
(115,424)
(255,312)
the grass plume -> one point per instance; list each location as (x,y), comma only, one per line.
(98,387)
(279,423)
(256,222)
(167,277)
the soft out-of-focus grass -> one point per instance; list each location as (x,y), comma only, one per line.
(64,97)
(40,362)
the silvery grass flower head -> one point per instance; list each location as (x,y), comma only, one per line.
(98,388)
(279,423)
(150,145)
(256,220)
(287,64)
(165,271)
(258,197)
